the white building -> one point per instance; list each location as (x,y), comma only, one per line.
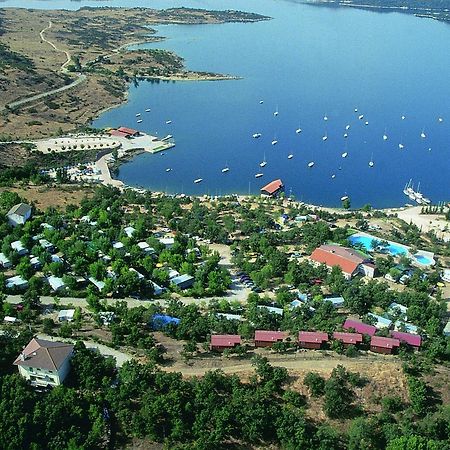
(19,248)
(45,363)
(157,289)
(16,282)
(4,261)
(167,242)
(66,315)
(129,231)
(56,283)
(19,214)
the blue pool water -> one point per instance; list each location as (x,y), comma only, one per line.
(424,260)
(366,240)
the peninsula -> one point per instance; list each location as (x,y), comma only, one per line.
(64,67)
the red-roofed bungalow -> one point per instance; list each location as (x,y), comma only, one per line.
(412,339)
(220,342)
(118,133)
(386,345)
(268,338)
(348,338)
(360,327)
(272,189)
(312,339)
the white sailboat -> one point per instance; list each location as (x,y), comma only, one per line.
(356,109)
(385,136)
(276,111)
(298,130)
(440,119)
(311,164)
(261,102)
(198,180)
(274,142)
(423,135)
(256,135)
(333,176)
(168,169)
(325,137)
(371,163)
(344,197)
(139,121)
(344,155)
(406,189)
(259,175)
(168,122)
(325,117)
(366,123)
(347,127)
(226,168)
(263,163)
(147,110)
(345,135)
(403,117)
(138,114)
(401,146)
(361,117)
(290,156)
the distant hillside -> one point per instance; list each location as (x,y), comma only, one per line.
(433,9)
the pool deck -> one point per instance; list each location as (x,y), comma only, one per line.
(414,260)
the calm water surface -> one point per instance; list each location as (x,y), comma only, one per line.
(309,63)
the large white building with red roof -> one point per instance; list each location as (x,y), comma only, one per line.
(349,260)
(272,189)
(45,363)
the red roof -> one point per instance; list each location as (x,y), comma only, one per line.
(348,338)
(118,133)
(384,342)
(225,340)
(273,186)
(312,336)
(331,259)
(127,130)
(269,336)
(360,327)
(412,339)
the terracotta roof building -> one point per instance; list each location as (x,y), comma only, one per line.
(221,342)
(45,363)
(268,338)
(412,339)
(348,338)
(360,327)
(349,260)
(272,189)
(312,339)
(386,345)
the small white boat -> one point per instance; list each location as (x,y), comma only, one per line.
(139,121)
(263,163)
(356,109)
(333,176)
(440,119)
(385,137)
(198,180)
(311,164)
(298,130)
(361,117)
(344,155)
(324,138)
(138,115)
(412,196)
(345,135)
(276,111)
(403,117)
(261,102)
(225,169)
(256,135)
(344,197)
(168,122)
(259,175)
(423,135)
(147,110)
(168,169)
(290,156)
(426,200)
(166,138)
(367,123)
(274,142)
(325,117)
(401,146)
(347,127)
(371,163)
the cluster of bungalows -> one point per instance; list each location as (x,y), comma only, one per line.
(381,344)
(317,339)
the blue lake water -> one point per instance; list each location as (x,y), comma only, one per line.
(309,62)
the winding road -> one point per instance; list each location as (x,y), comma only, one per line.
(80,77)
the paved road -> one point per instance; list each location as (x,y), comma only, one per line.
(102,165)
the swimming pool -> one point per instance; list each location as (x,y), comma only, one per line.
(421,258)
(366,241)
